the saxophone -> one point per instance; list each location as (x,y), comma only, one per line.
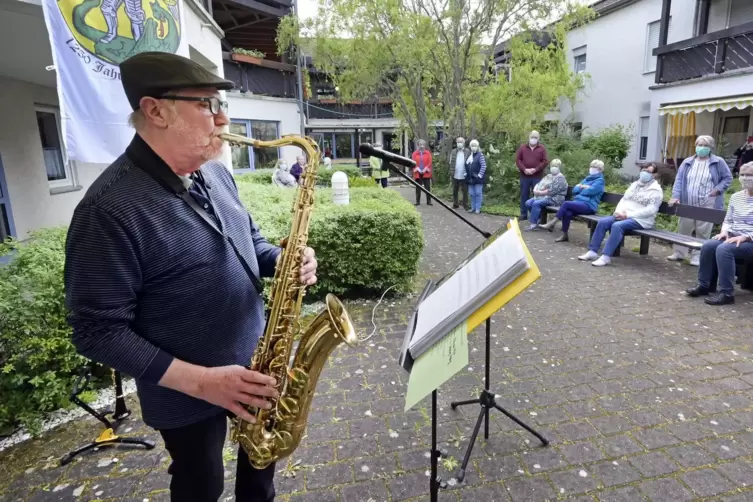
(278,431)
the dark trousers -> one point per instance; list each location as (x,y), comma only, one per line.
(526,189)
(426,182)
(382,181)
(459,186)
(198,474)
(718,258)
(571,208)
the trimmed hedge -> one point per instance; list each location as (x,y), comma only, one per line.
(264,176)
(362,248)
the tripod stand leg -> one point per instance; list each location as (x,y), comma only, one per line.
(461,472)
(455,404)
(515,419)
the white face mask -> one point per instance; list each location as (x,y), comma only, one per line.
(533,141)
(284,167)
(593,170)
(474,149)
(746,182)
(555,171)
(460,145)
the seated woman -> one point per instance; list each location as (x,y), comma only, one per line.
(637,209)
(718,254)
(586,198)
(282,177)
(551,191)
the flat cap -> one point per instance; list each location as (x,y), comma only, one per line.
(153,73)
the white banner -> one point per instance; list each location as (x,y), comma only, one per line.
(89,39)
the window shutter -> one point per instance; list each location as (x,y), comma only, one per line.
(740,12)
(653,42)
(643,126)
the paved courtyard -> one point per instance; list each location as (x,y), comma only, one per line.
(644,393)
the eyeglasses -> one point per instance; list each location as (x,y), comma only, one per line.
(215,105)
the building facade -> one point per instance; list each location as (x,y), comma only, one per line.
(671,69)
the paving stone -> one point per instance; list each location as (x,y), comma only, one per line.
(533,489)
(624,494)
(739,471)
(614,472)
(376,490)
(493,492)
(376,467)
(707,482)
(726,448)
(665,489)
(690,455)
(315,496)
(653,464)
(328,475)
(542,460)
(497,468)
(409,485)
(652,439)
(611,424)
(617,446)
(576,431)
(580,453)
(574,481)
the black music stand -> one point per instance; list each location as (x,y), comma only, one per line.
(107,437)
(487,398)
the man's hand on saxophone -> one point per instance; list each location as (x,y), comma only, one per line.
(308,267)
(227,386)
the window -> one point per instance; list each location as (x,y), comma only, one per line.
(740,12)
(579,60)
(642,138)
(576,129)
(344,146)
(55,161)
(652,42)
(249,158)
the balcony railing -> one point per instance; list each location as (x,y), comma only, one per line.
(261,80)
(710,54)
(328,110)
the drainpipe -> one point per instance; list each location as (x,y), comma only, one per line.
(300,82)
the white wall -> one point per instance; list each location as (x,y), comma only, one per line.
(21,149)
(252,107)
(618,90)
(204,37)
(729,85)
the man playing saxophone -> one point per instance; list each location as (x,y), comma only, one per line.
(163,276)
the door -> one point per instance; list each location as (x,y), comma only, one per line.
(6,215)
(734,135)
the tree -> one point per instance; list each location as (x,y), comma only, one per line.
(433,58)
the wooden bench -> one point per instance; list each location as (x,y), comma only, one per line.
(744,269)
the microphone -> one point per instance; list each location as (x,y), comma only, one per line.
(370,151)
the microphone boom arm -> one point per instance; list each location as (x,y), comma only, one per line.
(392,159)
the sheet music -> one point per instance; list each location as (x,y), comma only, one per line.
(470,287)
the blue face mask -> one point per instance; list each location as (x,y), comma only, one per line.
(702,151)
(645,176)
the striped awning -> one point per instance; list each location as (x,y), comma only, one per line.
(707,105)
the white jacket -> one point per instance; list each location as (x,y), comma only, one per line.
(641,202)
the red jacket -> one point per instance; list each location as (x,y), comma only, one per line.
(531,158)
(427,164)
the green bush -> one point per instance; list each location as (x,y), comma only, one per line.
(264,176)
(362,248)
(610,144)
(37,359)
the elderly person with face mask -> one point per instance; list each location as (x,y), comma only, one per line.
(531,160)
(458,158)
(379,175)
(550,191)
(637,209)
(298,168)
(735,241)
(159,255)
(476,176)
(701,181)
(586,198)
(422,171)
(282,177)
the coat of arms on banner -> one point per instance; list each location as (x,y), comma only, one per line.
(106,32)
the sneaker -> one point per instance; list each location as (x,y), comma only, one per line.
(530,228)
(675,257)
(695,261)
(590,255)
(603,261)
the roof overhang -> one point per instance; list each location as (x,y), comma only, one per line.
(251,24)
(707,105)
